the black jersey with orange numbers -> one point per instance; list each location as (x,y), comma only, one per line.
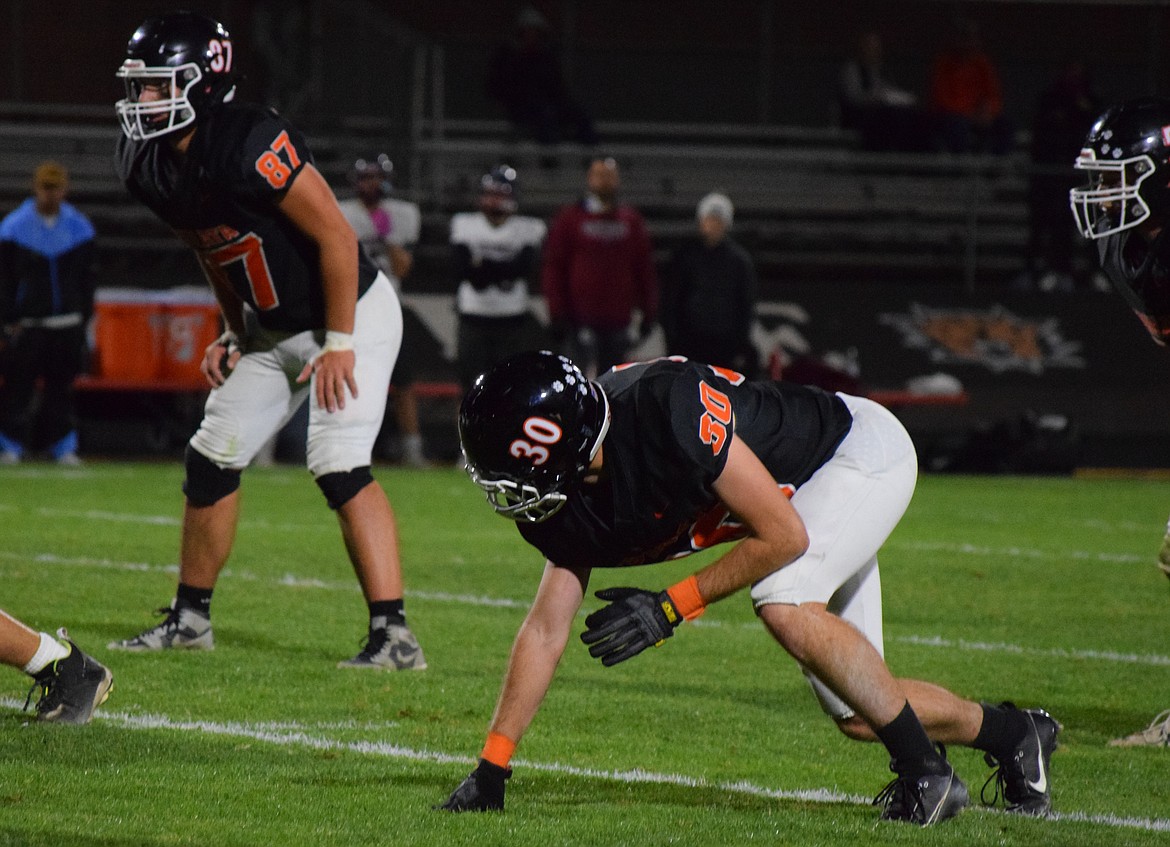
(222,200)
(672,421)
(1140,271)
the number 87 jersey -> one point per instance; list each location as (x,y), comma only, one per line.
(222,199)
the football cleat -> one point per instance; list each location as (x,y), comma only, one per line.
(389,647)
(924,799)
(183,628)
(1157,734)
(71,687)
(1023,780)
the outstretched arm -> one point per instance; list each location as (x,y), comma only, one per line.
(538,648)
(535,654)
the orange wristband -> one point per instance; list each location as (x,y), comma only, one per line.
(498,749)
(687,599)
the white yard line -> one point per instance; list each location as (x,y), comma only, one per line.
(1016,552)
(289,580)
(917,546)
(292,734)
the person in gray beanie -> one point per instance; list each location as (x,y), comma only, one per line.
(709,292)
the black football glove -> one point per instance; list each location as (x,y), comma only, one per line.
(481,791)
(634,620)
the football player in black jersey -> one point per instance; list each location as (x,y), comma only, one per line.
(308,317)
(1125,208)
(657,460)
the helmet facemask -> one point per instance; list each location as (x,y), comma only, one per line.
(143,119)
(1112,201)
(518,501)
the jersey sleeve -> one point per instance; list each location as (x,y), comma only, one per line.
(273,154)
(702,421)
(407,224)
(535,231)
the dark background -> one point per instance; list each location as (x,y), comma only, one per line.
(380,72)
(739,61)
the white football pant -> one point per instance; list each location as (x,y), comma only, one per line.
(849,507)
(261,394)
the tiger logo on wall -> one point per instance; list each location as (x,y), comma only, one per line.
(993,338)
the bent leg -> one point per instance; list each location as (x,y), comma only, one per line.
(840,657)
(945,716)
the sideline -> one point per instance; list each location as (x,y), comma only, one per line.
(289,580)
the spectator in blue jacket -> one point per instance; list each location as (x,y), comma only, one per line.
(46,298)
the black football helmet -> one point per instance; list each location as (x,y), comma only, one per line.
(498,191)
(1127,158)
(379,166)
(185,62)
(529,428)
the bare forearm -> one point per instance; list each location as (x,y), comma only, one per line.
(339,270)
(744,564)
(401,261)
(534,659)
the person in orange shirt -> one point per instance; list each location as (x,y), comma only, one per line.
(966,97)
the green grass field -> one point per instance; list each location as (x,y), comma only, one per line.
(1042,591)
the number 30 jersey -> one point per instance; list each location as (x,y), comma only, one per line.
(672,421)
(221,199)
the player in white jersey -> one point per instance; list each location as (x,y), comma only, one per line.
(388,229)
(494,255)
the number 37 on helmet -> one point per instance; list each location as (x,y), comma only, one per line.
(177,67)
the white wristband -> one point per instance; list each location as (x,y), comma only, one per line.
(336,342)
(228,339)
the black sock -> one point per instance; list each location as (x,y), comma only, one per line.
(910,748)
(196,599)
(1004,727)
(391,610)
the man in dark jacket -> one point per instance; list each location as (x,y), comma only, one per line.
(709,293)
(46,298)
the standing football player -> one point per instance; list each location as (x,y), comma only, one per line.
(494,254)
(1125,208)
(388,229)
(308,317)
(660,459)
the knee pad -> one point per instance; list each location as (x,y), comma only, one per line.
(207,483)
(341,487)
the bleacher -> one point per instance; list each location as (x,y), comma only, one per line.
(810,204)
